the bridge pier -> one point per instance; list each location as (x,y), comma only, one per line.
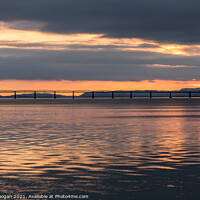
(131,94)
(35,95)
(190,94)
(113,95)
(150,95)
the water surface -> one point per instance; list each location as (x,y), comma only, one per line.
(107,149)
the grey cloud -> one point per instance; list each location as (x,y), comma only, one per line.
(21,44)
(147,46)
(165,21)
(91,65)
(79,46)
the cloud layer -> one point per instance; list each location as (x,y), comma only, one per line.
(95,65)
(172,21)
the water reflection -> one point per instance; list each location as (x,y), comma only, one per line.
(134,152)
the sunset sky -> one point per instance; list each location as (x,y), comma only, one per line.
(99,44)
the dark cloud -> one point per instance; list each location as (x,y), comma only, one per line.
(173,21)
(91,65)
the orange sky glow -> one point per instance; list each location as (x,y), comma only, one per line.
(96,85)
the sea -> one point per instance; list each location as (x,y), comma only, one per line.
(112,149)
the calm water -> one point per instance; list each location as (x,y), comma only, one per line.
(107,149)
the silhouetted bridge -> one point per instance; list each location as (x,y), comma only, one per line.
(94,94)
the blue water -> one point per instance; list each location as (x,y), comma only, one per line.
(106,149)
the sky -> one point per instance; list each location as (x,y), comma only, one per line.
(99,44)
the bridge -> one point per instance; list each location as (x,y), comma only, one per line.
(94,94)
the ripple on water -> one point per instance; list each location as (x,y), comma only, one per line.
(107,153)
